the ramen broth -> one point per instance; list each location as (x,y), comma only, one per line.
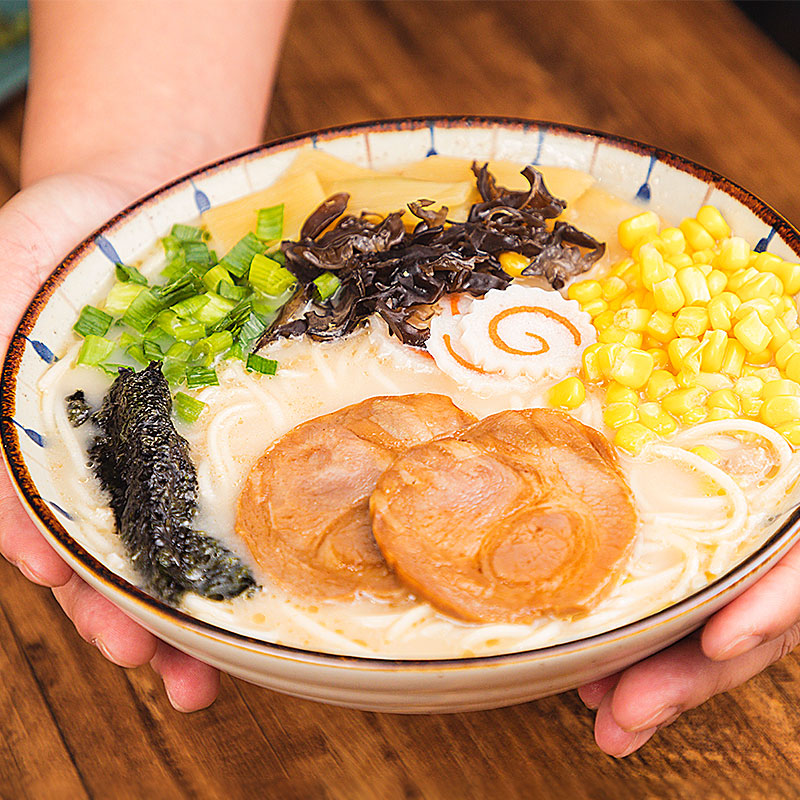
(695,520)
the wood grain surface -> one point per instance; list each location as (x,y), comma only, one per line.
(695,78)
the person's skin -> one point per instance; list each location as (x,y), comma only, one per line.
(126,94)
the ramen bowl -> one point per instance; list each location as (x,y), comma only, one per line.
(650,177)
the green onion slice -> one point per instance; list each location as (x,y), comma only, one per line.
(269,225)
(201,376)
(215,276)
(121,296)
(130,274)
(237,260)
(95,349)
(142,311)
(186,233)
(266,366)
(92,321)
(230,291)
(325,286)
(187,408)
(198,253)
(268,276)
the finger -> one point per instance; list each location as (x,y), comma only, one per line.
(593,693)
(682,677)
(765,611)
(190,684)
(97,620)
(613,739)
(24,546)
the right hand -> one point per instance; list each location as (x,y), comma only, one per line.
(38,227)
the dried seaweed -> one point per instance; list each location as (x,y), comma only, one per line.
(145,465)
(78,409)
(388,271)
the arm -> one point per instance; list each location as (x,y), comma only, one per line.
(124,95)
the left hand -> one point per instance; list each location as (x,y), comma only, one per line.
(755,630)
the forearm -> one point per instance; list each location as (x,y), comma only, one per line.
(141,90)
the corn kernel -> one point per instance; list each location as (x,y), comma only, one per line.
(739,278)
(607,355)
(674,242)
(681,401)
(568,394)
(604,319)
(710,218)
(782,386)
(613,288)
(785,352)
(595,307)
(715,414)
(660,357)
(679,261)
(693,285)
(621,267)
(513,263)
(717,282)
(791,432)
(633,339)
(653,268)
(733,360)
(748,390)
(714,344)
(780,410)
(632,319)
(721,309)
(780,334)
(633,437)
(591,367)
(615,415)
(710,381)
(734,253)
(765,262)
(691,321)
(694,416)
(768,374)
(632,230)
(678,351)
(765,310)
(632,369)
(654,417)
(582,291)
(705,452)
(764,286)
(661,383)
(668,295)
(660,326)
(792,368)
(617,393)
(752,333)
(759,359)
(789,274)
(724,398)
(697,237)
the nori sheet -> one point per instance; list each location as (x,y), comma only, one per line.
(142,461)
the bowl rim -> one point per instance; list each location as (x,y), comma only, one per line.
(46,519)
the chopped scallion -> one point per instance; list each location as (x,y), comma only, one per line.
(152,352)
(190,306)
(270,223)
(121,296)
(185,285)
(92,321)
(95,349)
(214,310)
(268,276)
(142,311)
(186,233)
(130,274)
(189,331)
(230,291)
(326,285)
(206,350)
(173,370)
(197,253)
(136,352)
(179,351)
(187,408)
(201,376)
(250,331)
(215,276)
(266,366)
(237,260)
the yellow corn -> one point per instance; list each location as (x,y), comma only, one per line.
(734,254)
(682,401)
(694,416)
(654,417)
(748,389)
(621,267)
(614,288)
(632,230)
(705,452)
(673,241)
(765,310)
(660,357)
(716,281)
(765,262)
(792,368)
(721,309)
(612,334)
(780,334)
(711,381)
(724,398)
(633,437)
(615,415)
(789,274)
(661,383)
(759,359)
(591,367)
(617,393)
(513,263)
(791,432)
(753,334)
(779,387)
(605,319)
(714,344)
(715,414)
(739,278)
(608,355)
(660,326)
(768,374)
(680,260)
(679,352)
(569,393)
(693,285)
(766,285)
(710,218)
(733,360)
(582,291)
(632,369)
(703,266)
(780,410)
(632,319)
(697,237)
(595,307)
(691,321)
(668,296)
(785,352)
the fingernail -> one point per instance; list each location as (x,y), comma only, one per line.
(177,706)
(636,742)
(29,572)
(739,646)
(107,654)
(657,718)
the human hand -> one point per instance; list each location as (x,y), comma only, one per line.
(758,628)
(37,228)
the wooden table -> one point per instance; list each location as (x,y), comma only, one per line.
(695,78)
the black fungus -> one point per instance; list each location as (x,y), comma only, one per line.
(78,409)
(144,464)
(388,271)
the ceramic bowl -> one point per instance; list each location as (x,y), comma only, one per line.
(666,183)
